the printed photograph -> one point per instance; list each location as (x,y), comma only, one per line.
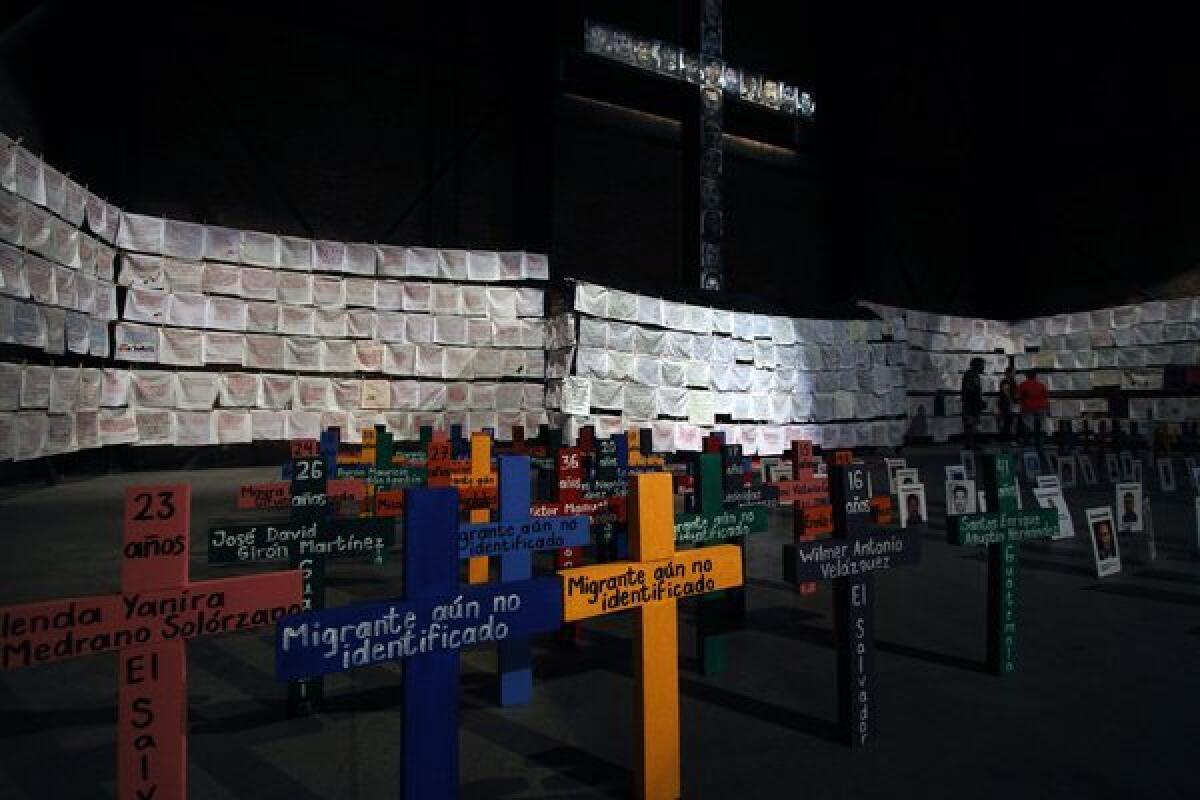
(1105,549)
(1129,507)
(912,505)
(960,497)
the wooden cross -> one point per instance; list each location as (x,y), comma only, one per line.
(604,513)
(651,585)
(310,536)
(805,488)
(514,536)
(609,477)
(711,523)
(476,483)
(1002,531)
(637,456)
(375,462)
(808,494)
(425,629)
(850,560)
(742,483)
(147,624)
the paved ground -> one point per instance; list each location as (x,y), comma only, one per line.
(1104,705)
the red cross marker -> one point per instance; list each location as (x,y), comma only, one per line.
(157,610)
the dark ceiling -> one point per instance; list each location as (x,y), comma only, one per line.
(1002,161)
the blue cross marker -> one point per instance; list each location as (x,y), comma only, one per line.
(425,629)
(514,537)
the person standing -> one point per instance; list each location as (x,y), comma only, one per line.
(1008,405)
(972,401)
(1034,398)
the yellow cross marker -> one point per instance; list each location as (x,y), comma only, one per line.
(636,459)
(650,584)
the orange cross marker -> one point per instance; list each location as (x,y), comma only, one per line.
(650,584)
(476,484)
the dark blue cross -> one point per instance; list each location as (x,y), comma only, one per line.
(516,563)
(425,629)
(850,559)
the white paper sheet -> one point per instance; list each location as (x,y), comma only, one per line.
(267,425)
(180,347)
(260,249)
(295,288)
(196,390)
(239,389)
(183,276)
(152,389)
(337,355)
(184,310)
(140,232)
(117,426)
(264,351)
(297,320)
(262,317)
(226,314)
(259,284)
(195,428)
(233,427)
(361,323)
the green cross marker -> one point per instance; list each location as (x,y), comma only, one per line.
(713,524)
(1002,531)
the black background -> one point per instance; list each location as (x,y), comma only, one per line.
(1002,161)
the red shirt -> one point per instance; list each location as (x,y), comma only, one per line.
(1033,395)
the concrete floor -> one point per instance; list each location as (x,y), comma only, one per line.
(1104,705)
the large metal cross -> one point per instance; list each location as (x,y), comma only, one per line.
(702,132)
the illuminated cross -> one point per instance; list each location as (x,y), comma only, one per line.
(650,585)
(158,609)
(424,629)
(850,560)
(702,131)
(1002,531)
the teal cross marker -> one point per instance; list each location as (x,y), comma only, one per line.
(1002,531)
(713,524)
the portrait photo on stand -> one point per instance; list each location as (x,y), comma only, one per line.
(912,505)
(960,497)
(1129,507)
(1106,550)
